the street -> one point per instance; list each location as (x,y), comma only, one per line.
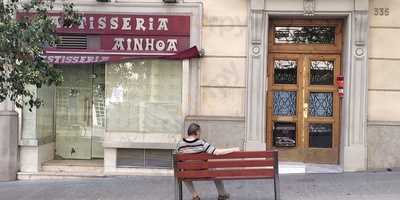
(369,185)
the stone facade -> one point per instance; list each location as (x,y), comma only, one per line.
(223,67)
(226,89)
(224,132)
(8,142)
(384,85)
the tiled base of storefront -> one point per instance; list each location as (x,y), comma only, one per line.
(75,169)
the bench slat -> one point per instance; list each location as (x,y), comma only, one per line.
(215,174)
(230,178)
(199,164)
(234,155)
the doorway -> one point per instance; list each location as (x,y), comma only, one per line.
(303,112)
(80,112)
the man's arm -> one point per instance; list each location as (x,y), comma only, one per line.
(210,149)
(225,151)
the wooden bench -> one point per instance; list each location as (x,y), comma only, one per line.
(234,166)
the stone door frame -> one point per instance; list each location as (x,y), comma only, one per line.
(353,153)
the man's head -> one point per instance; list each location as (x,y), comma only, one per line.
(194,130)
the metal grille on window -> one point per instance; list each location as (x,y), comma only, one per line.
(285,72)
(130,158)
(284,134)
(145,158)
(158,158)
(321,104)
(320,135)
(284,103)
(72,42)
(321,72)
(305,35)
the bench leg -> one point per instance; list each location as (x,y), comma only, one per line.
(276,176)
(178,189)
(276,188)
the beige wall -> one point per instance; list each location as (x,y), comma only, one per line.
(384,62)
(222,75)
(384,86)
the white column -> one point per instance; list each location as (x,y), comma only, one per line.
(29,144)
(355,152)
(256,78)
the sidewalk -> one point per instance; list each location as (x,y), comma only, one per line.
(371,186)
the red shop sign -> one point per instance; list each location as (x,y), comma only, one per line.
(128,24)
(114,37)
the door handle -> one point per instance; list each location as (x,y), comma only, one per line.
(305,110)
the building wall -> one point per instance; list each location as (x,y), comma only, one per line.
(223,69)
(384,85)
(222,72)
(222,76)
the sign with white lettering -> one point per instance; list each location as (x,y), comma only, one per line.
(149,44)
(112,37)
(112,24)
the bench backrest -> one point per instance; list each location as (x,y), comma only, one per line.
(237,165)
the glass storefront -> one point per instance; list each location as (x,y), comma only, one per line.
(144,96)
(137,98)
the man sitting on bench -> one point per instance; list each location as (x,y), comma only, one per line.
(194,144)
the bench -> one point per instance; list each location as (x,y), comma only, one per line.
(234,166)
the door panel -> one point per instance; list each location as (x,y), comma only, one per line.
(283,105)
(322,124)
(73,113)
(303,111)
(80,112)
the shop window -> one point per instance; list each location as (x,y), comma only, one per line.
(45,119)
(144,96)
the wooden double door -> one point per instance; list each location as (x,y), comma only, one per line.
(303,112)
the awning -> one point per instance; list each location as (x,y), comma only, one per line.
(68,56)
